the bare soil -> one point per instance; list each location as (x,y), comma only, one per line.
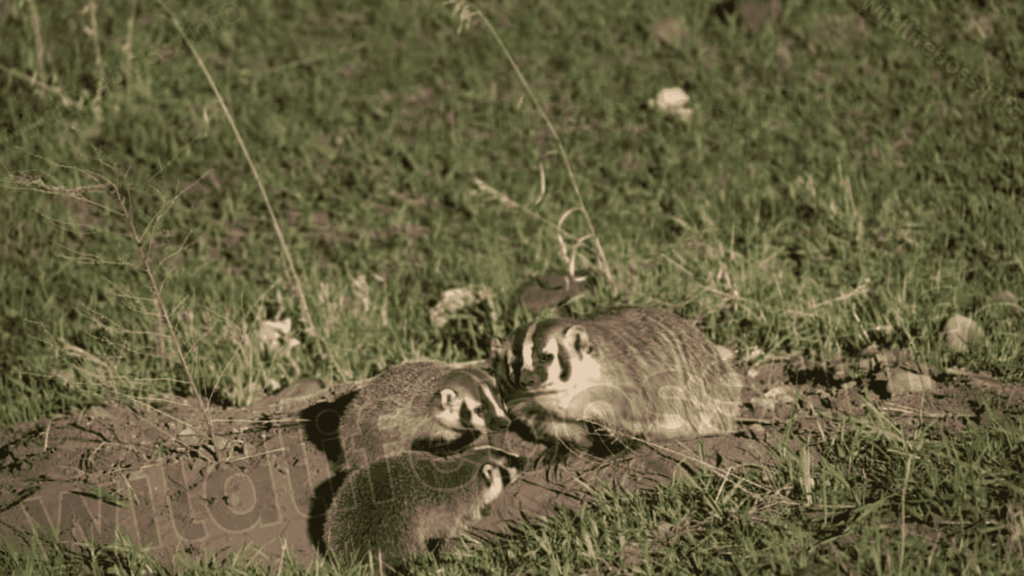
(150,471)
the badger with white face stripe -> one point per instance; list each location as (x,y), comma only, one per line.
(394,506)
(421,406)
(632,372)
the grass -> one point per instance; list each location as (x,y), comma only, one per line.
(837,188)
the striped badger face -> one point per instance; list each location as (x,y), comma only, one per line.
(498,469)
(547,366)
(467,401)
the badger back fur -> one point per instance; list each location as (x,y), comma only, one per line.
(634,372)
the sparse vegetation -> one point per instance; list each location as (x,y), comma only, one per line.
(836,188)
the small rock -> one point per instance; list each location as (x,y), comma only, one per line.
(903,382)
(673,101)
(725,353)
(960,330)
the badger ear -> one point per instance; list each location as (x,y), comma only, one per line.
(450,400)
(487,471)
(578,340)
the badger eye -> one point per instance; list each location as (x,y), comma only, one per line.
(546,358)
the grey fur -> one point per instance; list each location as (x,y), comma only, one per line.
(634,372)
(414,498)
(402,409)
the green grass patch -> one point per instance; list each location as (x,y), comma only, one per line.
(838,187)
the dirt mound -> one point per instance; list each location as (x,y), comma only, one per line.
(151,473)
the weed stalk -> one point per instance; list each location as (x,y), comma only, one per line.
(165,318)
(466,13)
(307,318)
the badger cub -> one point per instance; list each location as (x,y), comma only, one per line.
(396,505)
(632,372)
(425,406)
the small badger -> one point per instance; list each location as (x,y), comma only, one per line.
(424,405)
(396,505)
(632,372)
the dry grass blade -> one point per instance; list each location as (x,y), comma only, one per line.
(511,204)
(564,238)
(464,12)
(40,72)
(154,285)
(501,197)
(467,14)
(306,316)
(130,34)
(570,257)
(575,251)
(543,184)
